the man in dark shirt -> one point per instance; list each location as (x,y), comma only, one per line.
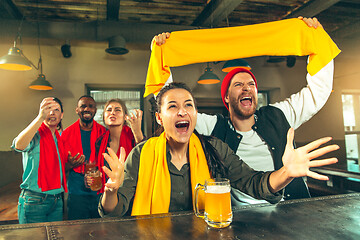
(79,139)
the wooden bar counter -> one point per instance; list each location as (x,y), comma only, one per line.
(331,217)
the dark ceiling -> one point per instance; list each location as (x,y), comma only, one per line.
(139,20)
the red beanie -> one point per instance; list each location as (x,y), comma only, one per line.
(227,79)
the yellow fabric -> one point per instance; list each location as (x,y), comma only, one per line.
(153,187)
(280,38)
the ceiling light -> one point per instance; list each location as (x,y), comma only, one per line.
(208,77)
(235,63)
(40,83)
(15,59)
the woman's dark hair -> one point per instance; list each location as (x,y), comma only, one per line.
(215,164)
(117,100)
(59,126)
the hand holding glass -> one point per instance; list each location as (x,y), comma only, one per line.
(93,179)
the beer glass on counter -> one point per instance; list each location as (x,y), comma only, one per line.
(217,202)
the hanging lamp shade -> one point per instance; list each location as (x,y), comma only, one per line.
(117,46)
(40,83)
(235,63)
(208,77)
(15,61)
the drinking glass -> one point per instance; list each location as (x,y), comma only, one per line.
(95,175)
(218,213)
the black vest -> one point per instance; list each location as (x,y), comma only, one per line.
(272,127)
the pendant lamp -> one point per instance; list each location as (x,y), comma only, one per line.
(208,77)
(40,83)
(235,63)
(15,60)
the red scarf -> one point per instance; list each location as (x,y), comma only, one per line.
(72,140)
(127,141)
(49,169)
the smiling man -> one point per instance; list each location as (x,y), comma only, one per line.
(79,139)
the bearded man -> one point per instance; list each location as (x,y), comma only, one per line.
(259,136)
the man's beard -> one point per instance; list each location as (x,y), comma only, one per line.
(241,112)
(86,120)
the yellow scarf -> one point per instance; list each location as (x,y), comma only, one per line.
(280,38)
(153,187)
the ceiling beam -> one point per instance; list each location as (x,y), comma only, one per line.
(312,8)
(90,31)
(9,10)
(215,12)
(112,10)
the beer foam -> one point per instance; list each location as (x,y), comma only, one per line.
(217,189)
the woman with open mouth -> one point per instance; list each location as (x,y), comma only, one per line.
(118,134)
(160,175)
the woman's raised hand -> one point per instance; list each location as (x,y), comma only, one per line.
(134,119)
(46,106)
(116,174)
(298,162)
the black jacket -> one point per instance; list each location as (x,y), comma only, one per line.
(272,126)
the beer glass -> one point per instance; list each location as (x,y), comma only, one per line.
(217,200)
(89,166)
(95,174)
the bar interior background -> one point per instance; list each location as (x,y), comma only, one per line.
(87,26)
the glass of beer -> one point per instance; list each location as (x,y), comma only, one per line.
(89,166)
(217,202)
(95,175)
